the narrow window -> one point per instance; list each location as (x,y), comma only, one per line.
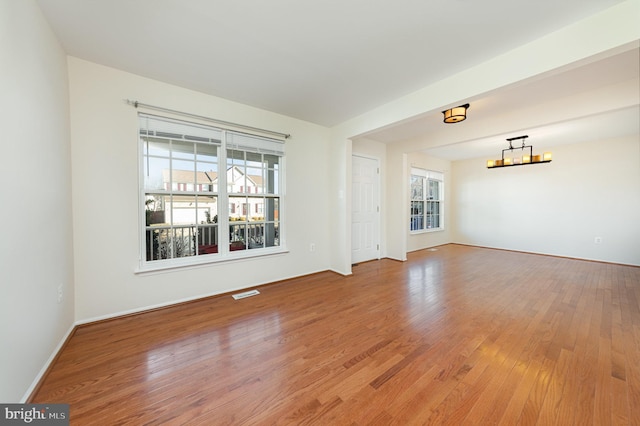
(427,200)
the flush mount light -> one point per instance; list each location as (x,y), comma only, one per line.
(456,115)
(525,158)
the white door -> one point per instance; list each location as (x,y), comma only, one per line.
(365,211)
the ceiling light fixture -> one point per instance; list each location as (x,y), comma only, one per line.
(523,159)
(456,115)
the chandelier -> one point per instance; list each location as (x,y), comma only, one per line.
(524,158)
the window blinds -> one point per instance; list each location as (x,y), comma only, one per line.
(166,128)
(244,142)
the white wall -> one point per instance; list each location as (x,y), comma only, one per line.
(105,196)
(433,238)
(397,203)
(589,190)
(35,248)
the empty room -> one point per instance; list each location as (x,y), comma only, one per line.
(223,212)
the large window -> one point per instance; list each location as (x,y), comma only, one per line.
(427,200)
(208,191)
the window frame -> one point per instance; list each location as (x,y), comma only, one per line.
(222,194)
(425,217)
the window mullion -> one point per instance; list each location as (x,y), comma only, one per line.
(425,202)
(223,197)
(171,202)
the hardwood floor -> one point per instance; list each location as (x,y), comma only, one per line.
(457,336)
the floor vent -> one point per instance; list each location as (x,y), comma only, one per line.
(246,294)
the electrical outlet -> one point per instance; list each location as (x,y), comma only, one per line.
(60,293)
(598,240)
(312,247)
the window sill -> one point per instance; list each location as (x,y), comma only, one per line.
(426,231)
(206,260)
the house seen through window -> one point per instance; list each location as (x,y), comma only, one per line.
(207,191)
(427,200)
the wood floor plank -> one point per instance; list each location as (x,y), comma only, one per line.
(460,335)
(517,400)
(532,407)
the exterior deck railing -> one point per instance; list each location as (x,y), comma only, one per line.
(167,242)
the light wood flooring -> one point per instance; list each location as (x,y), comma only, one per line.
(457,336)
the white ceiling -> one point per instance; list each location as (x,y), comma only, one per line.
(329,61)
(597,100)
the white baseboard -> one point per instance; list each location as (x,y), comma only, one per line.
(152,307)
(188,299)
(46,365)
